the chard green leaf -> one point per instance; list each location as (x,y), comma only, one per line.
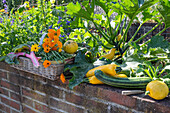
(11,59)
(78,69)
(2,58)
(20,47)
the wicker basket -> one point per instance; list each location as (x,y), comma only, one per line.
(50,72)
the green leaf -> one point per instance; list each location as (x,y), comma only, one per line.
(10,59)
(103,5)
(158,41)
(73,8)
(20,47)
(2,58)
(131,7)
(164,9)
(78,69)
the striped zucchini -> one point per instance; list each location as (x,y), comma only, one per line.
(130,82)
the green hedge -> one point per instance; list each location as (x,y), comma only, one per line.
(15,3)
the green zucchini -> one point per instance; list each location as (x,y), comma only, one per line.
(130,82)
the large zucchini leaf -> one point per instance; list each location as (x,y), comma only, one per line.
(164,9)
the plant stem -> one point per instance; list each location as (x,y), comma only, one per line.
(113,38)
(126,31)
(103,33)
(97,39)
(121,32)
(155,35)
(135,33)
(147,33)
(161,31)
(110,27)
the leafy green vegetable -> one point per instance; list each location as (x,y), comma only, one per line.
(158,41)
(78,69)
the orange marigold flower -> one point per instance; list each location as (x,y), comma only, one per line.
(51,44)
(50,35)
(59,44)
(46,63)
(54,48)
(62,78)
(44,45)
(47,49)
(52,31)
(56,38)
(58,32)
(47,40)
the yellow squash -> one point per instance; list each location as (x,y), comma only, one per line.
(94,80)
(120,76)
(157,89)
(70,46)
(107,69)
(110,55)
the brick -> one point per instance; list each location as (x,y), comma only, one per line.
(10,103)
(34,95)
(5,100)
(55,92)
(27,75)
(150,105)
(3,91)
(3,75)
(41,107)
(13,111)
(38,106)
(5,84)
(15,105)
(5,108)
(58,83)
(26,82)
(7,67)
(53,111)
(28,110)
(10,86)
(116,98)
(38,86)
(70,97)
(27,101)
(14,78)
(66,107)
(115,109)
(15,96)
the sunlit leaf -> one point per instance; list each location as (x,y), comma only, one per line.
(164,9)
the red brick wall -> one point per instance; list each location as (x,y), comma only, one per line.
(28,93)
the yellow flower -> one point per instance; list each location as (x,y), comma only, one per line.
(62,78)
(2,10)
(59,50)
(26,4)
(46,63)
(52,1)
(35,47)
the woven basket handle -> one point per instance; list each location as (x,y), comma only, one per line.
(42,38)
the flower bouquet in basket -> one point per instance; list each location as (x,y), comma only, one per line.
(46,58)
